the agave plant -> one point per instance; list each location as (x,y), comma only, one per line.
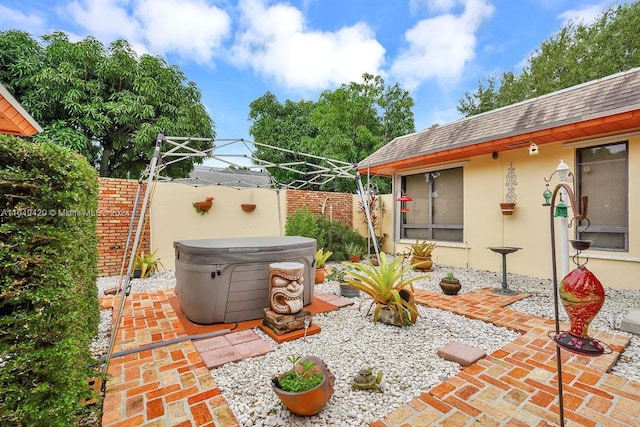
(383,284)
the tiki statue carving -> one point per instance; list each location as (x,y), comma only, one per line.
(286,287)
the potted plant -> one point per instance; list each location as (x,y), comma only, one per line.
(306,388)
(449,284)
(420,253)
(340,274)
(144,265)
(321,258)
(248,207)
(203,206)
(385,285)
(354,251)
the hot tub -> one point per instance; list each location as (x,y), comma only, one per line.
(227,280)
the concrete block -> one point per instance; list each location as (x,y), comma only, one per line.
(631,323)
(461,353)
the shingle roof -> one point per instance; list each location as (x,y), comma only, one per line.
(236,178)
(614,94)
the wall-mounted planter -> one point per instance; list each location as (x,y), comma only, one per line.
(507,208)
(248,207)
(203,206)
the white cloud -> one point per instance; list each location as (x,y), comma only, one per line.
(433,6)
(587,15)
(275,42)
(439,47)
(16,20)
(190,29)
(106,20)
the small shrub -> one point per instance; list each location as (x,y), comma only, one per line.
(337,235)
(304,223)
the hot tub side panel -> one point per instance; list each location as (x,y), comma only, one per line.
(221,291)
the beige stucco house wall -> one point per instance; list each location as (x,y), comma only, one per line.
(595,113)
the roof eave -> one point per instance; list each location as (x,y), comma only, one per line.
(613,122)
(24,124)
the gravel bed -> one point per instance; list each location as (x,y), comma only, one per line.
(407,356)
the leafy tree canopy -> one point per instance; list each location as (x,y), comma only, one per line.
(346,124)
(577,54)
(105,102)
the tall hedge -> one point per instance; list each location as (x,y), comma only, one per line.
(48,268)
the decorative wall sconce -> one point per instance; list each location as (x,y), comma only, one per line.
(403,199)
(511,181)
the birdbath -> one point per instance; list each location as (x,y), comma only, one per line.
(504,250)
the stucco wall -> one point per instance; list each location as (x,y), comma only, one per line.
(529,226)
(174,218)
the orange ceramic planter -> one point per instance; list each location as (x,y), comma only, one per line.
(312,401)
(320,273)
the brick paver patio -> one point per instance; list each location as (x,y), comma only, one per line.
(514,386)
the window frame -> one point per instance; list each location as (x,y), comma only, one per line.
(591,228)
(429,227)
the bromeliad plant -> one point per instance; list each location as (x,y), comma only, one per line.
(321,257)
(383,284)
(147,263)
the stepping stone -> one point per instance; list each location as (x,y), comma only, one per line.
(460,353)
(631,323)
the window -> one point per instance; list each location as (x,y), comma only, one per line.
(602,176)
(436,212)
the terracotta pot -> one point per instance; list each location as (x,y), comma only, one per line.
(422,263)
(393,317)
(354,258)
(450,286)
(308,402)
(320,273)
(248,207)
(507,208)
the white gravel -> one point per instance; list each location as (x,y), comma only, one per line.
(407,356)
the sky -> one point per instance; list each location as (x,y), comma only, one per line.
(237,50)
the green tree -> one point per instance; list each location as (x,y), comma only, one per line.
(578,53)
(346,124)
(107,103)
(283,126)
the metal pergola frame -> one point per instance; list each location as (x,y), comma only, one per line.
(323,172)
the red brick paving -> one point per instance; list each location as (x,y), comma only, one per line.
(514,386)
(517,385)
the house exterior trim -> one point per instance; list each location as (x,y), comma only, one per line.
(14,120)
